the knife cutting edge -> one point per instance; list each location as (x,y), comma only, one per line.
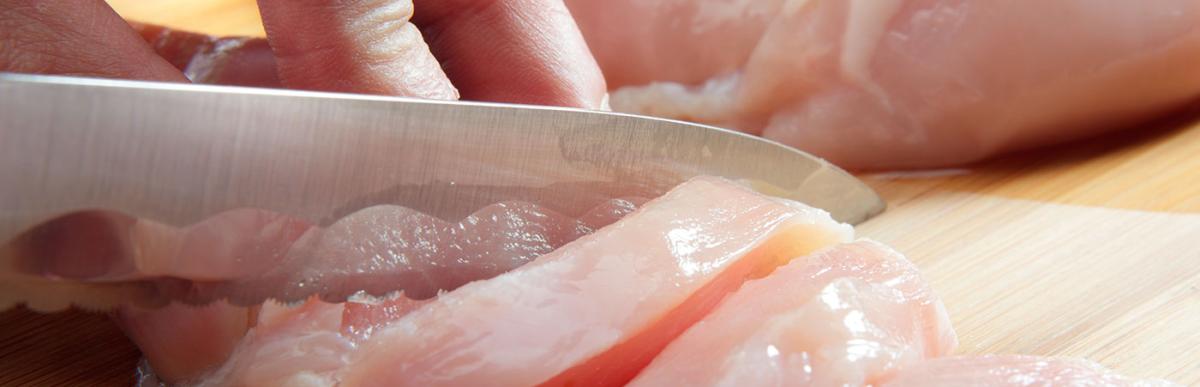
(180,153)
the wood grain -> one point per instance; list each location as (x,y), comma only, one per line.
(1121,287)
(1022,264)
(216,17)
(70,348)
(1154,167)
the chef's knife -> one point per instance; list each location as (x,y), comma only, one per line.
(178,153)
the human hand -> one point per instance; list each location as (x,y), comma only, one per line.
(524,51)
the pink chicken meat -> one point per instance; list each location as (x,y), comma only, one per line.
(884,84)
(597,310)
(252,254)
(849,315)
(700,286)
(594,311)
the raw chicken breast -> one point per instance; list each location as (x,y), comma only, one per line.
(289,346)
(181,340)
(249,255)
(259,254)
(879,84)
(595,311)
(377,247)
(849,315)
(305,344)
(1012,371)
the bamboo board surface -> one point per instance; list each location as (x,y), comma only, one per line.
(1121,287)
(1089,249)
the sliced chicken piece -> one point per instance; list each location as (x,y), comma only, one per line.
(595,311)
(288,346)
(362,318)
(271,345)
(848,315)
(178,340)
(248,255)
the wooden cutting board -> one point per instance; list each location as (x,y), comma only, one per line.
(1090,249)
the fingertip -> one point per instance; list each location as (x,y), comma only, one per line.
(361,47)
(518,51)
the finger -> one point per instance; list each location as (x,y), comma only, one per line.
(238,61)
(84,38)
(523,51)
(352,46)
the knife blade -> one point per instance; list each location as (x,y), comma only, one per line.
(178,153)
